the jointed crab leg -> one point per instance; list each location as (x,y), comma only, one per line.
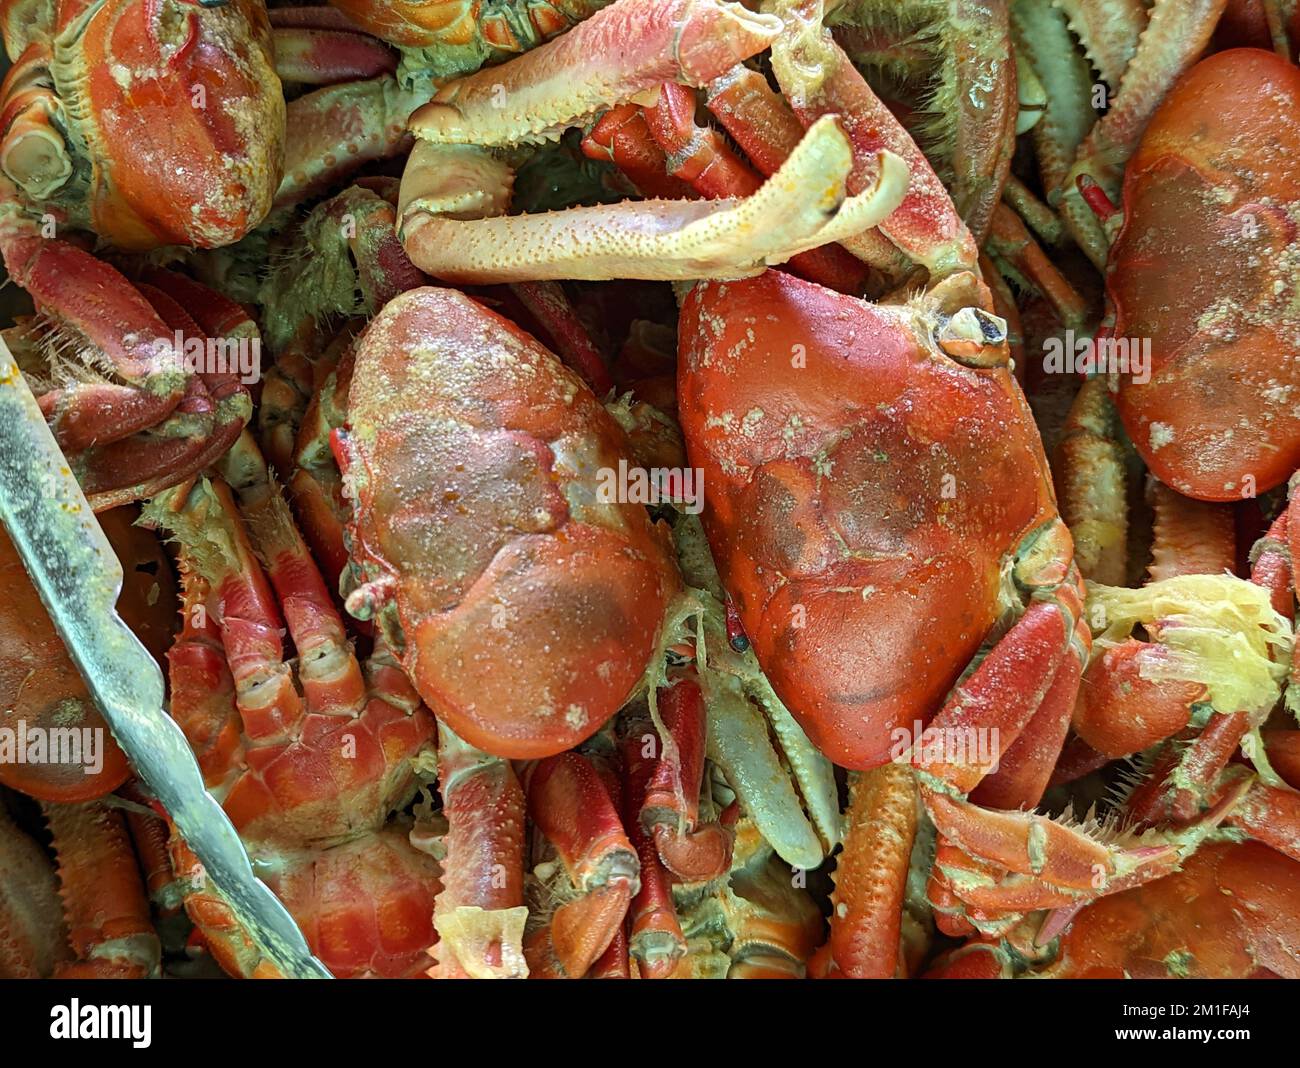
(764,125)
(1090,472)
(1010,243)
(625,50)
(699,155)
(33,936)
(693,851)
(92,298)
(321,45)
(104,901)
(871,875)
(1109,30)
(570,804)
(656,940)
(1043,37)
(1173,39)
(480,912)
(333,131)
(450,183)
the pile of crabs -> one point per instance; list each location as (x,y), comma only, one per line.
(957,340)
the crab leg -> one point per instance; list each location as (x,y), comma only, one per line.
(1012,683)
(1174,38)
(269,705)
(692,851)
(1271,815)
(763,124)
(1109,32)
(656,940)
(625,50)
(739,744)
(1025,767)
(480,912)
(101,305)
(571,806)
(331,132)
(622,136)
(33,936)
(104,901)
(1271,564)
(1091,476)
(548,304)
(322,55)
(450,183)
(871,874)
(1043,37)
(1180,781)
(613,963)
(701,157)
(1010,242)
(1053,865)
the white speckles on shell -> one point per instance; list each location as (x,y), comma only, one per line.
(1159,435)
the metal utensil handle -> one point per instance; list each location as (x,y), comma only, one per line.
(78,577)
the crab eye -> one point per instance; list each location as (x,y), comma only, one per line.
(973,337)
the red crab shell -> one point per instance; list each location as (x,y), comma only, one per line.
(1207,267)
(528,611)
(863,492)
(1233,911)
(175,104)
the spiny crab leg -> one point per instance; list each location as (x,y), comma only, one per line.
(625,50)
(1172,41)
(871,875)
(335,130)
(1050,864)
(94,300)
(104,900)
(1109,31)
(1042,37)
(802,206)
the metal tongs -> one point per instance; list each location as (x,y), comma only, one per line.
(79,578)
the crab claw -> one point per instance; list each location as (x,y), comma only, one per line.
(627,49)
(802,206)
(455,193)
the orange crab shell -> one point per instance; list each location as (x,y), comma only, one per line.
(181,114)
(1231,913)
(528,608)
(1206,269)
(862,494)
